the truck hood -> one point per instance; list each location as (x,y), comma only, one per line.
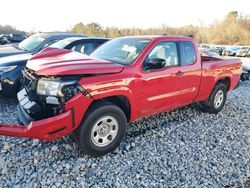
(61,62)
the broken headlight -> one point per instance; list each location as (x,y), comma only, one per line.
(48,87)
(62,87)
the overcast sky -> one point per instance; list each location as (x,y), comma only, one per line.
(51,15)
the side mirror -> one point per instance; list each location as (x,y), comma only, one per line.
(156,63)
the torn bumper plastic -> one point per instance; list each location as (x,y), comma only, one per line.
(47,129)
(54,127)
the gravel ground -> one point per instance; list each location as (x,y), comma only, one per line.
(181,148)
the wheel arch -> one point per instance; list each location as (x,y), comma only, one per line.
(119,100)
(224,80)
(123,98)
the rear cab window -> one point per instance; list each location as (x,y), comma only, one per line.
(188,54)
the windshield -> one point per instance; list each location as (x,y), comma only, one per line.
(31,43)
(121,50)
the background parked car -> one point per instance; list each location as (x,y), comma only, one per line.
(230,51)
(243,52)
(213,48)
(15,38)
(245,74)
(11,67)
(11,38)
(205,46)
(208,55)
(82,45)
(218,50)
(3,39)
(35,43)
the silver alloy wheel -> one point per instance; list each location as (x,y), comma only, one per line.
(218,99)
(104,131)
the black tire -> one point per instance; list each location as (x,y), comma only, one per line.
(82,135)
(210,105)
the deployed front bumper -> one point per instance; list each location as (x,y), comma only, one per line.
(50,128)
(47,129)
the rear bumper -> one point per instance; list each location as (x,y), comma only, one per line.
(50,128)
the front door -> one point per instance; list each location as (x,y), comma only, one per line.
(160,91)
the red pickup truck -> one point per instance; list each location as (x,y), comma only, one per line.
(93,98)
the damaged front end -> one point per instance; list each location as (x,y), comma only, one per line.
(49,107)
(43,97)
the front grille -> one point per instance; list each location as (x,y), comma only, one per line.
(29,80)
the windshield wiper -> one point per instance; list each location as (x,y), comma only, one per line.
(117,62)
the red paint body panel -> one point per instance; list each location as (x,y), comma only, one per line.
(147,92)
(215,70)
(41,129)
(56,62)
(47,129)
(206,59)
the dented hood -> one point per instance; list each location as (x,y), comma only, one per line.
(56,62)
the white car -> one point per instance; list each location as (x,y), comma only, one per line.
(243,52)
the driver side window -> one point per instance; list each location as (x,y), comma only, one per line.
(165,52)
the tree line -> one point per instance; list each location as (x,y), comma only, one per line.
(234,29)
(10,29)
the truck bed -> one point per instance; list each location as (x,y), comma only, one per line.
(214,70)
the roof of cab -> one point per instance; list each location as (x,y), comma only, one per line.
(59,34)
(72,39)
(151,37)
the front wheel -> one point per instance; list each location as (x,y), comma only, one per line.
(216,100)
(102,130)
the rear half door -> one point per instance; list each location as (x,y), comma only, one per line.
(189,73)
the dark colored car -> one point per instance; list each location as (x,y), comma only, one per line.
(15,38)
(35,43)
(11,38)
(3,39)
(11,67)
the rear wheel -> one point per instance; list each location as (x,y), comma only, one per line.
(216,100)
(102,130)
